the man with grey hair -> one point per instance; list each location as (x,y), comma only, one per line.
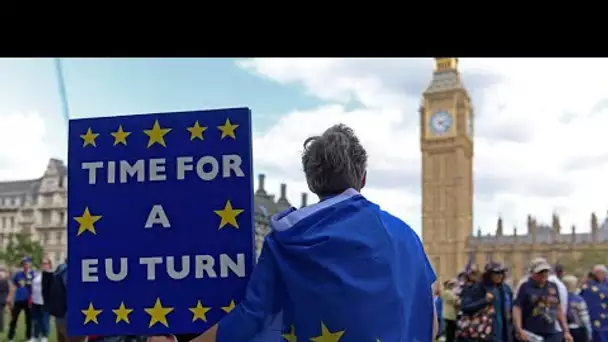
(338,270)
(595,294)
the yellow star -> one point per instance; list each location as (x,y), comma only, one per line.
(230,307)
(199,312)
(157,134)
(89,138)
(603,316)
(122,313)
(87,222)
(228,215)
(120,136)
(327,336)
(603,305)
(91,314)
(196,131)
(291,336)
(228,129)
(597,324)
(602,295)
(158,314)
(594,288)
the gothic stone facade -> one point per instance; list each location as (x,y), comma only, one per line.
(39,207)
(446,141)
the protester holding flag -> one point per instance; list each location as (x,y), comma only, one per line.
(595,294)
(339,270)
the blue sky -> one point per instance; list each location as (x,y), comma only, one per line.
(100,87)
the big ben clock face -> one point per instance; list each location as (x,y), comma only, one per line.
(440,122)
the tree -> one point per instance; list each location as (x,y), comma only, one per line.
(21,245)
(582,265)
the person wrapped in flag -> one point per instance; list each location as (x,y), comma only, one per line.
(595,294)
(339,270)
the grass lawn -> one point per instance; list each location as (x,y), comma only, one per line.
(20,333)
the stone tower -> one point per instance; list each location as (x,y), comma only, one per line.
(446,143)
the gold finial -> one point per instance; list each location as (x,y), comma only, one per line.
(446,63)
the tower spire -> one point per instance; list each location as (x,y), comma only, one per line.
(446,63)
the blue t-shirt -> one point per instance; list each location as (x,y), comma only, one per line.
(539,305)
(23,284)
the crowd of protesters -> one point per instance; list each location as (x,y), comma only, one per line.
(546,305)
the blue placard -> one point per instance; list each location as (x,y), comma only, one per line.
(160,232)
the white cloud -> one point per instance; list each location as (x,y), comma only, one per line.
(24,152)
(540,144)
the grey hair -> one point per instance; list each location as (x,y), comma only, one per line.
(334,161)
(571,282)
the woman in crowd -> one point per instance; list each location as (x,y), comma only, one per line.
(438,300)
(40,317)
(480,300)
(451,304)
(577,315)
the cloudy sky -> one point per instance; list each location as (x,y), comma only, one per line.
(540,144)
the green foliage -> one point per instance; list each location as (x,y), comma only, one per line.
(582,265)
(19,246)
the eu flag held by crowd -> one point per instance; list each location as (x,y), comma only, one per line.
(160,221)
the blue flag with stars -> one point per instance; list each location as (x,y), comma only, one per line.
(595,295)
(160,221)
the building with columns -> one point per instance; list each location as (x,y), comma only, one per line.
(39,207)
(447,146)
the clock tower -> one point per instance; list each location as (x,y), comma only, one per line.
(446,143)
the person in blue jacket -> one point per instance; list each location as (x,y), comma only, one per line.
(338,270)
(491,291)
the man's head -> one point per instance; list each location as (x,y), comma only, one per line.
(26,263)
(539,270)
(571,282)
(559,271)
(599,272)
(334,162)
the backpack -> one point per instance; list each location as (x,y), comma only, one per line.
(56,301)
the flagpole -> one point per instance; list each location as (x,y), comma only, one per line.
(65,109)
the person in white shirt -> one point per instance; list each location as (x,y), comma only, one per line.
(40,317)
(561,289)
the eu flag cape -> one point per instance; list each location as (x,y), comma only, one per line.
(340,270)
(595,295)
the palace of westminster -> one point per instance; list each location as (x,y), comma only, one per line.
(39,206)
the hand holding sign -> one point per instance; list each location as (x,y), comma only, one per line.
(161,221)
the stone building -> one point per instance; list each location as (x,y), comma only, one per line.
(446,142)
(39,207)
